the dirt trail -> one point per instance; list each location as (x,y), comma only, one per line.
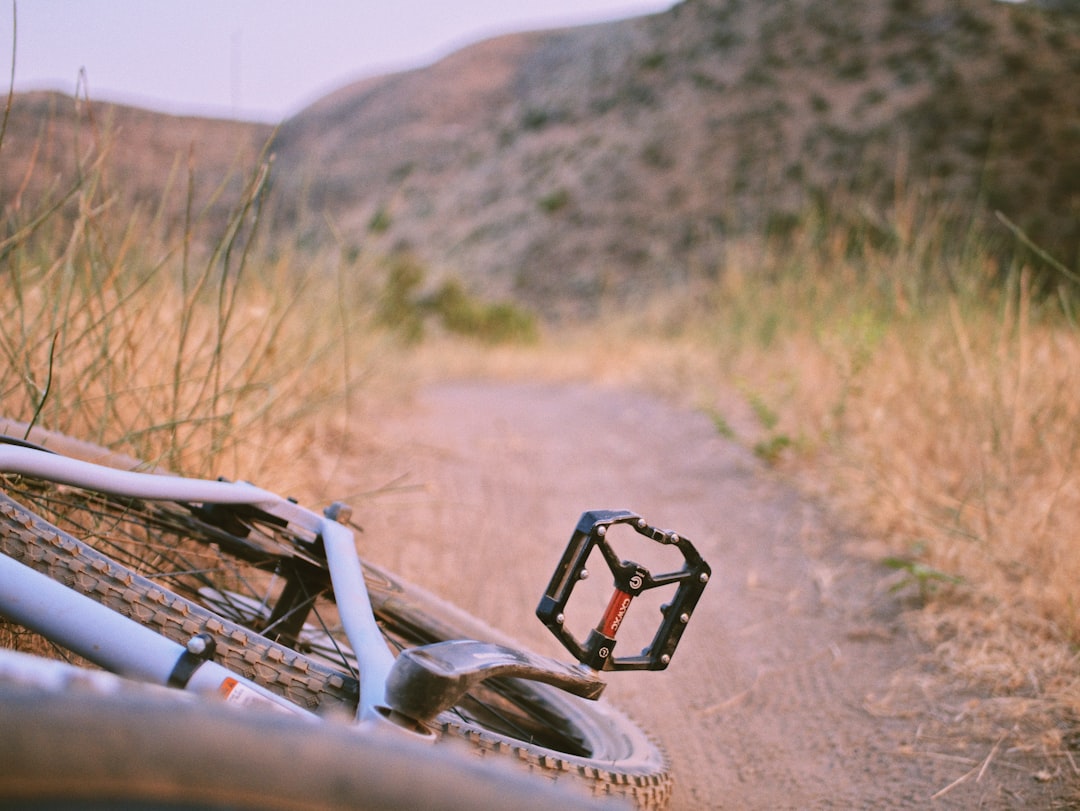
(795,685)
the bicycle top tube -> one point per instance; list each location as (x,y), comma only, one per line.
(43,464)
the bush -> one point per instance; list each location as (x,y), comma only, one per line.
(499,322)
(397,306)
(404,308)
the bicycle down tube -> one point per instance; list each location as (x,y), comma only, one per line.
(116,643)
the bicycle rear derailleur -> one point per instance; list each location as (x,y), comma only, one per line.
(426,680)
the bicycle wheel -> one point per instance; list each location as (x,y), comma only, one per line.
(87,751)
(265,596)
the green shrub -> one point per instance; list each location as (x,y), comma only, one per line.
(554,201)
(397,307)
(499,322)
(404,308)
(380,221)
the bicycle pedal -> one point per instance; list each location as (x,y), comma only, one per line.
(631,579)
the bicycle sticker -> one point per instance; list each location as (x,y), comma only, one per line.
(240,695)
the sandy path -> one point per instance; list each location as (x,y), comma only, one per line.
(795,685)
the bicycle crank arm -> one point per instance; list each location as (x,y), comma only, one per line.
(427,680)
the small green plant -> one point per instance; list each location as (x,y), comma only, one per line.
(397,308)
(498,322)
(554,201)
(923,578)
(404,308)
(654,60)
(720,423)
(765,415)
(770,449)
(380,221)
(535,118)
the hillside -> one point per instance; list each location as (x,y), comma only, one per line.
(148,162)
(573,166)
(620,157)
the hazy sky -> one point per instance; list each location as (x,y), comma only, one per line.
(262,59)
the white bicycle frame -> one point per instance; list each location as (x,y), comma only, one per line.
(127,648)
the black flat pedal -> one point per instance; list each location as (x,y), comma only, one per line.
(630,580)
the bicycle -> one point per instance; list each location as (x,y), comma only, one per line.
(223,588)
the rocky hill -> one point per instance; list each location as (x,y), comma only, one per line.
(610,160)
(620,157)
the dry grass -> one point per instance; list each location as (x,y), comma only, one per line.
(940,424)
(965,444)
(203,360)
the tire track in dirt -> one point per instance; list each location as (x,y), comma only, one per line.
(795,685)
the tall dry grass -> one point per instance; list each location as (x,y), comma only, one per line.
(928,386)
(207,358)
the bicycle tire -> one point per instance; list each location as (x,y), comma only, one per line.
(85,751)
(547,731)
